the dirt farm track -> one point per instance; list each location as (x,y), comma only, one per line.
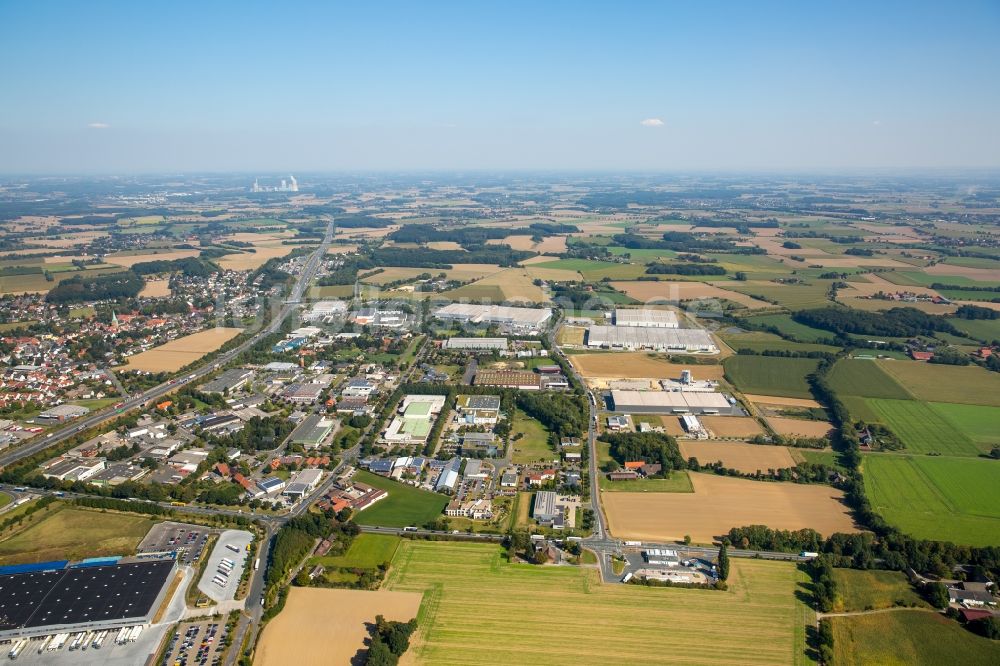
(720,503)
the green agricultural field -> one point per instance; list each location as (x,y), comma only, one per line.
(404,506)
(911,637)
(818,457)
(5,499)
(367,551)
(771,375)
(860,590)
(981,424)
(791,296)
(679,482)
(596,270)
(922,429)
(760,346)
(986,330)
(968,384)
(864,378)
(479,609)
(74,533)
(945,499)
(533,443)
(792,328)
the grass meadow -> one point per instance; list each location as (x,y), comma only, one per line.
(479,609)
(860,590)
(404,506)
(73,533)
(945,499)
(911,637)
(922,428)
(771,375)
(967,384)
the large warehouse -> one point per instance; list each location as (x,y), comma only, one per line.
(643,318)
(514,318)
(692,340)
(489,344)
(670,402)
(48,598)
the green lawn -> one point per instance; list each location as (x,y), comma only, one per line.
(859,590)
(923,429)
(5,499)
(404,506)
(477,609)
(945,499)
(534,445)
(367,551)
(771,375)
(912,637)
(679,482)
(73,534)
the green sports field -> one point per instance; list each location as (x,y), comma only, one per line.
(479,609)
(923,429)
(910,637)
(404,506)
(945,499)
(771,375)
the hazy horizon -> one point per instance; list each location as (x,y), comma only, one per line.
(117,88)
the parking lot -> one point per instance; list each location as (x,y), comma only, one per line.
(187,540)
(196,644)
(221,578)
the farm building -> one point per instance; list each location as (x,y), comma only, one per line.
(485,344)
(670,402)
(525,319)
(693,340)
(643,318)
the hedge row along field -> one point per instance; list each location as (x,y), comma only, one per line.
(478,609)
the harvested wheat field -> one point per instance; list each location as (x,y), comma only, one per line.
(175,354)
(799,427)
(155,289)
(781,401)
(738,455)
(775,247)
(67,240)
(129,260)
(626,365)
(731,426)
(510,284)
(327,626)
(720,503)
(662,292)
(444,245)
(553,274)
(248,261)
(981,274)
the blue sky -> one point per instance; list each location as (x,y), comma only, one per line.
(144,86)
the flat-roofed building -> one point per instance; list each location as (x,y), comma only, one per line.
(645,318)
(61,413)
(323,309)
(476,344)
(510,317)
(229,380)
(670,402)
(691,340)
(519,379)
(478,409)
(313,431)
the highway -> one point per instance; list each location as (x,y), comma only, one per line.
(53,438)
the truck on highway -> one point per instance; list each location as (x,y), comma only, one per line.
(627,577)
(256,564)
(633,543)
(808,553)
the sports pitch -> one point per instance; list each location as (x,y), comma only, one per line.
(478,609)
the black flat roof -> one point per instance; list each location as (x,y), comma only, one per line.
(75,595)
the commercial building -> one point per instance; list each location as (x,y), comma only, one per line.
(313,431)
(547,511)
(670,402)
(662,557)
(302,483)
(50,597)
(61,413)
(642,318)
(476,344)
(479,443)
(271,485)
(691,340)
(524,319)
(303,393)
(230,380)
(324,309)
(478,409)
(73,469)
(480,509)
(519,379)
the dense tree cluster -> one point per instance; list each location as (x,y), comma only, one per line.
(113,286)
(650,447)
(564,414)
(897,322)
(258,434)
(976,312)
(188,266)
(390,639)
(427,258)
(684,269)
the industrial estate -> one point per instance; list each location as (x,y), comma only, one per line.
(338,394)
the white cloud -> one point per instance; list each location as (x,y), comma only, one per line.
(651,122)
(98,125)
(876,122)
